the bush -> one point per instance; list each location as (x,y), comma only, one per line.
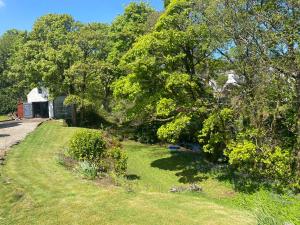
(87,145)
(98,152)
(261,162)
(118,159)
(8,103)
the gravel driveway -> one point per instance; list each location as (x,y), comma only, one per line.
(13,132)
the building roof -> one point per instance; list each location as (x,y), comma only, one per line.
(38,95)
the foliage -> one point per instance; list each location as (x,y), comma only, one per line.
(88,170)
(118,160)
(265,163)
(217,131)
(165,107)
(127,27)
(97,152)
(87,145)
(8,103)
(181,75)
(31,167)
(171,131)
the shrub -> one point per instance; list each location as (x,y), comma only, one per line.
(87,145)
(262,162)
(98,151)
(118,159)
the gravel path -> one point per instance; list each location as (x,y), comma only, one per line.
(13,132)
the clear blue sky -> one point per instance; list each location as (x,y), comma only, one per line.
(21,14)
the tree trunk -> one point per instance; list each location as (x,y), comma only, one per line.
(74,115)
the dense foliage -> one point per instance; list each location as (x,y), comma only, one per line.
(222,74)
(87,145)
(97,152)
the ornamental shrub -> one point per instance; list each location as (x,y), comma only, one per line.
(87,145)
(97,149)
(118,160)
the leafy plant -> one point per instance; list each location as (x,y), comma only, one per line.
(118,160)
(217,131)
(87,145)
(87,169)
(171,131)
(263,162)
(97,150)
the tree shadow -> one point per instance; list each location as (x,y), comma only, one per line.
(190,166)
(133,177)
(242,182)
(9,124)
(193,167)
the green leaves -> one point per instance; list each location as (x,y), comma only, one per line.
(261,162)
(217,132)
(170,132)
(127,87)
(165,107)
(127,28)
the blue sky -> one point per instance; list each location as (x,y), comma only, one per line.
(21,14)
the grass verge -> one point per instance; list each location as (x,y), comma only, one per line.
(3,117)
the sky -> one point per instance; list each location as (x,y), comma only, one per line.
(21,14)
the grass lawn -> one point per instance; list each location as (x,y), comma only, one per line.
(3,118)
(35,189)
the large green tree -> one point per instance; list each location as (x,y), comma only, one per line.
(127,28)
(9,91)
(168,71)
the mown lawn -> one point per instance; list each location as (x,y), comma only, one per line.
(3,118)
(35,189)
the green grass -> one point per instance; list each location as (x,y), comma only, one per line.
(155,169)
(35,189)
(3,117)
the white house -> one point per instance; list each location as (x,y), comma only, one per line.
(40,105)
(232,80)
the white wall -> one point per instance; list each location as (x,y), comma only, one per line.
(35,96)
(51,109)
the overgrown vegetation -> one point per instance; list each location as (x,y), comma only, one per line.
(222,74)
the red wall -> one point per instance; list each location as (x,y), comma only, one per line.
(20,110)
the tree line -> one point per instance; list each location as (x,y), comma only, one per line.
(221,73)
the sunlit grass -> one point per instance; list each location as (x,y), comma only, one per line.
(3,117)
(36,189)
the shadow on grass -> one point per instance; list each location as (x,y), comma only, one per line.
(192,168)
(240,183)
(133,177)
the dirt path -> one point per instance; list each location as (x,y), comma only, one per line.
(13,132)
